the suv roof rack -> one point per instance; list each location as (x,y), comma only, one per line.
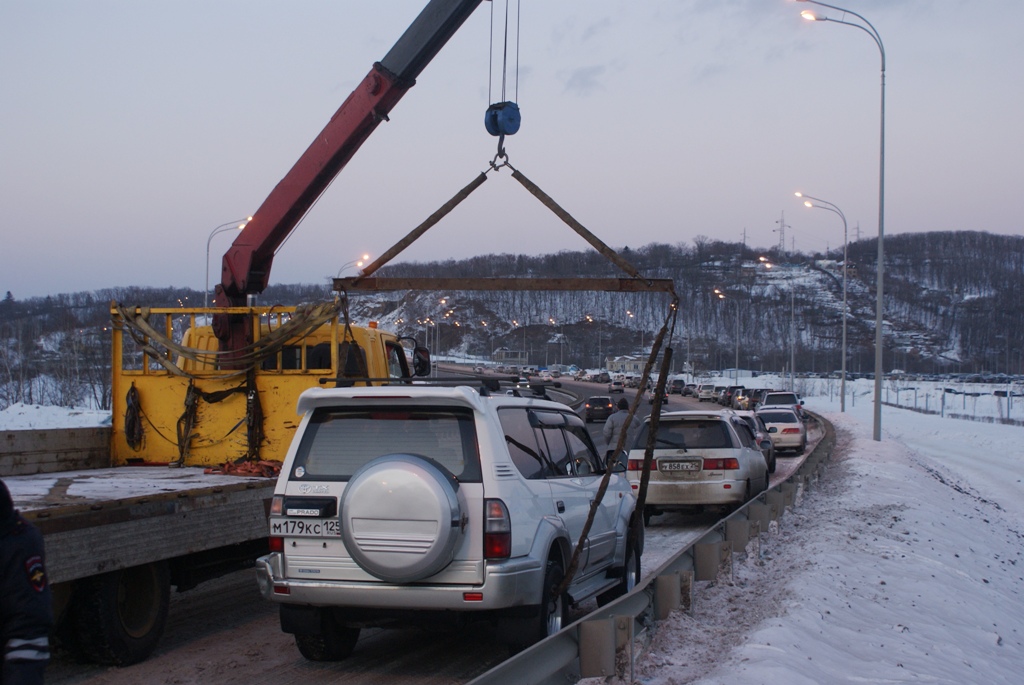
(486,384)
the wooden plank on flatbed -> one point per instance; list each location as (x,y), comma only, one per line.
(24,452)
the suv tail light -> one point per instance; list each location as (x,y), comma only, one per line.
(497,530)
(276,544)
(729,464)
(635,465)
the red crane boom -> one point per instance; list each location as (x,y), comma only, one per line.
(246,265)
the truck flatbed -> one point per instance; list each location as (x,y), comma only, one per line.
(95,520)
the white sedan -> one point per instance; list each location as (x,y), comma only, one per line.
(786,430)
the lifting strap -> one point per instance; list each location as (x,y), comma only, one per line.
(636,521)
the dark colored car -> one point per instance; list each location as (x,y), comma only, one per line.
(599,407)
(725,399)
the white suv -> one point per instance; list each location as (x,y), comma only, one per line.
(423,505)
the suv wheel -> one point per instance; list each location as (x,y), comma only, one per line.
(334,643)
(649,511)
(550,616)
(552,607)
(630,576)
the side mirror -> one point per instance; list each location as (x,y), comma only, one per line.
(773,429)
(766,445)
(421,361)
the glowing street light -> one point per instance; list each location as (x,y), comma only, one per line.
(231,225)
(825,204)
(736,367)
(867,28)
(355,262)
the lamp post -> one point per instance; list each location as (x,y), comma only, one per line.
(879,340)
(736,367)
(490,347)
(238,225)
(355,262)
(825,204)
(631,316)
(591,319)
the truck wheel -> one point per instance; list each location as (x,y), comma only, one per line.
(120,616)
(630,576)
(334,642)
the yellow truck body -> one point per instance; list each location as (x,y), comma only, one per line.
(172,409)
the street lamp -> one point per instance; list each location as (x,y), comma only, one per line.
(879,300)
(825,204)
(736,368)
(631,315)
(237,225)
(600,359)
(355,262)
(792,325)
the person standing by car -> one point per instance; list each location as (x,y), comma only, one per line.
(26,613)
(613,426)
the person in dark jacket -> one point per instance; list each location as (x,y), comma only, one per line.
(613,426)
(26,613)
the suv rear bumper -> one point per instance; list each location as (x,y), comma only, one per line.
(509,583)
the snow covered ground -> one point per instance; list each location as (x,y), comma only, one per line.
(904,564)
(36,416)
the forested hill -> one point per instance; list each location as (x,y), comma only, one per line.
(953,301)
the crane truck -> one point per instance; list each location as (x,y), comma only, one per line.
(129,511)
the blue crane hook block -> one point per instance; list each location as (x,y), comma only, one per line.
(502,119)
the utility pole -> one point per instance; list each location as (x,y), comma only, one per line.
(792,338)
(781,230)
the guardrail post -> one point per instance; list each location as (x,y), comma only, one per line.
(624,646)
(686,591)
(777,504)
(667,595)
(707,557)
(762,514)
(737,532)
(597,648)
(788,494)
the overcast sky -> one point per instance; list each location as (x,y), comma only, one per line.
(130,130)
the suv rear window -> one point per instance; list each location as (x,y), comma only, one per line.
(781,398)
(339,441)
(688,434)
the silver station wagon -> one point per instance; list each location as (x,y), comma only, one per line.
(700,459)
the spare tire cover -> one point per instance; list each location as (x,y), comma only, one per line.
(401,517)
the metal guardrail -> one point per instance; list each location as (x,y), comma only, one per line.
(604,643)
